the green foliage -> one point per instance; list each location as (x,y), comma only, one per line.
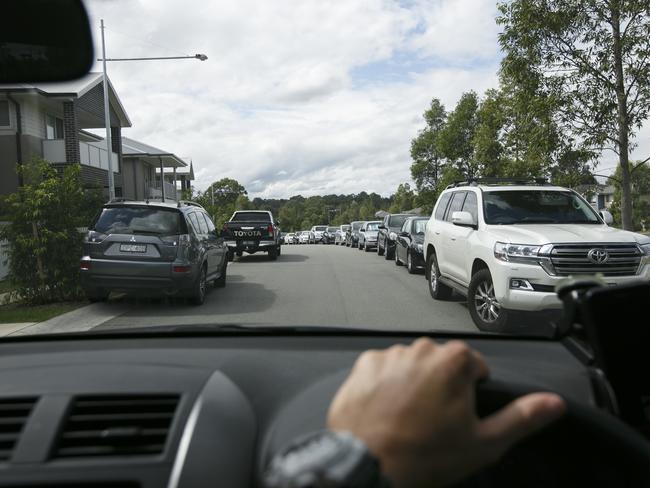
(593,58)
(403,199)
(640,197)
(44,241)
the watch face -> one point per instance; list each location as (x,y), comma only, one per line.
(324,459)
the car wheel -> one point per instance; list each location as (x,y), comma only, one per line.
(397,260)
(389,255)
(240,254)
(198,294)
(438,290)
(273,253)
(365,247)
(221,281)
(486,312)
(380,250)
(230,255)
(409,263)
(279,250)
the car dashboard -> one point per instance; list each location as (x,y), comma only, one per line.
(204,410)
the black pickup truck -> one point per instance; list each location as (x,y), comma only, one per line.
(252,231)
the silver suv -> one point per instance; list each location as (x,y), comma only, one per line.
(152,248)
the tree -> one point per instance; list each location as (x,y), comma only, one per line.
(44,240)
(455,138)
(640,197)
(595,56)
(403,199)
(488,147)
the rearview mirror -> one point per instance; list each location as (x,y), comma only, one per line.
(607,217)
(43,40)
(463,219)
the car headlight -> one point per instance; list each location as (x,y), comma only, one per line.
(392,236)
(514,252)
(645,248)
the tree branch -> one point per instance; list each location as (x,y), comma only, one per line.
(638,165)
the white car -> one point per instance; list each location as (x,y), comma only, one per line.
(506,247)
(340,234)
(304,236)
(317,233)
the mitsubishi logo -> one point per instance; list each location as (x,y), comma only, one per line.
(132,239)
(598,256)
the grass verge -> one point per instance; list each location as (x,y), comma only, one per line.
(18,312)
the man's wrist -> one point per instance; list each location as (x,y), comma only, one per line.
(326,459)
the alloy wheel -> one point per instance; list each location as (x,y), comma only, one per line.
(487,306)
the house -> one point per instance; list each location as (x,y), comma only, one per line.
(47,120)
(149,172)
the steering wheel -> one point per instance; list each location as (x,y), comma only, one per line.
(587,447)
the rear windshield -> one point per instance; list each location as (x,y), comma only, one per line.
(251,217)
(332,229)
(397,220)
(320,228)
(345,228)
(372,226)
(356,225)
(140,220)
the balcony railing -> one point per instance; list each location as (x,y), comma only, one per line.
(170,191)
(92,153)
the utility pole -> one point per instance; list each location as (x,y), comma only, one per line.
(107,122)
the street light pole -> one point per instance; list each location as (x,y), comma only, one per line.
(107,122)
(107,114)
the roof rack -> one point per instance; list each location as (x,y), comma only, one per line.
(120,199)
(498,181)
(189,203)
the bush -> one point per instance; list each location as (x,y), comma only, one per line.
(44,241)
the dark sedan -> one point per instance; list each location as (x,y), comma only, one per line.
(388,234)
(408,247)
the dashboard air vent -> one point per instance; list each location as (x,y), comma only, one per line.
(13,417)
(116,425)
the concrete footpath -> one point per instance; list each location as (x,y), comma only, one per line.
(79,320)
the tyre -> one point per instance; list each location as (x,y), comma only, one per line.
(231,255)
(380,250)
(397,260)
(198,293)
(359,246)
(488,315)
(273,253)
(279,250)
(365,247)
(240,254)
(409,263)
(388,255)
(221,281)
(438,290)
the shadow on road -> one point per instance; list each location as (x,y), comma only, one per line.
(261,258)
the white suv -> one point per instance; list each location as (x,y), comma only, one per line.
(506,246)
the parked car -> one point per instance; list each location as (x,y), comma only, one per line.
(317,234)
(340,234)
(387,236)
(409,245)
(506,247)
(153,248)
(252,231)
(352,235)
(329,235)
(368,235)
(304,237)
(289,238)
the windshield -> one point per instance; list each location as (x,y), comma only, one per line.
(419,226)
(251,217)
(536,207)
(329,116)
(133,220)
(397,220)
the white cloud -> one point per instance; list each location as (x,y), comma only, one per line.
(277,105)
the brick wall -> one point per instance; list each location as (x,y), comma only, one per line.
(71,133)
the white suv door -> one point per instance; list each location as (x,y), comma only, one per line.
(459,259)
(448,253)
(434,227)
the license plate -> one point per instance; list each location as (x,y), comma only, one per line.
(250,243)
(133,247)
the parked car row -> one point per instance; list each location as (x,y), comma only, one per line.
(505,244)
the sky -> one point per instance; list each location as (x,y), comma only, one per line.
(297,96)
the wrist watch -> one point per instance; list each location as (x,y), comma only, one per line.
(325,459)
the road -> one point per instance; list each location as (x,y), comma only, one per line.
(314,285)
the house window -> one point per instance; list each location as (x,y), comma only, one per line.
(53,127)
(4,113)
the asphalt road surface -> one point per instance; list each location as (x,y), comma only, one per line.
(313,285)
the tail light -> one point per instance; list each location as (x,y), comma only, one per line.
(270,230)
(181,269)
(85,264)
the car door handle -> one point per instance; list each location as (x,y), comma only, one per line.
(453,238)
(437,233)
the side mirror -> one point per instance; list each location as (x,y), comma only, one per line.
(607,217)
(404,234)
(463,219)
(362,230)
(382,227)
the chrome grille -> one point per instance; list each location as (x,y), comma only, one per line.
(570,259)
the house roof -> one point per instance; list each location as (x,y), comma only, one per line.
(76,89)
(136,149)
(187,171)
